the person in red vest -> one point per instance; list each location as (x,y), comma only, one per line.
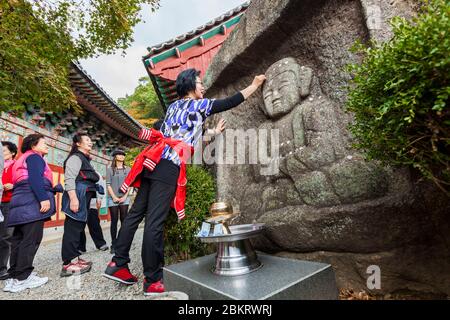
(32,203)
(159,173)
(9,153)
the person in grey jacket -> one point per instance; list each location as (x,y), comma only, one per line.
(80,187)
(118,201)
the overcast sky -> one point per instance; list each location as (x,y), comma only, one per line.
(119,75)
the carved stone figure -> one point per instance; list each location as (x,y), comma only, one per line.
(286,84)
(311,152)
(325,203)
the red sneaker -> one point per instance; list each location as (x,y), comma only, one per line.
(84,262)
(120,274)
(155,288)
(74,268)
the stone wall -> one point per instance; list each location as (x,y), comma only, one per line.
(325,203)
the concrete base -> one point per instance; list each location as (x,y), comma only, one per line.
(278,279)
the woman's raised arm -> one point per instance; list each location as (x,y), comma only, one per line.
(221,105)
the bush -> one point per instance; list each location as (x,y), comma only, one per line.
(131,155)
(180,240)
(400,94)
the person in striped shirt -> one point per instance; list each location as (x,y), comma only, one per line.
(183,121)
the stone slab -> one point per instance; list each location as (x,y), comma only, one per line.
(278,279)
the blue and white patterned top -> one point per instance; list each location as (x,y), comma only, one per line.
(183,121)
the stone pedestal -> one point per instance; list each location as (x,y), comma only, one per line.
(278,279)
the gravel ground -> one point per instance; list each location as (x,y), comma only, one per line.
(89,286)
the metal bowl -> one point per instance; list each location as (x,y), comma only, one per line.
(221,218)
(221,209)
(238,232)
(235,255)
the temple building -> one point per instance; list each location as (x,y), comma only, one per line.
(194,49)
(108,125)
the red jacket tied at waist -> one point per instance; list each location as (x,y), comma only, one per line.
(151,156)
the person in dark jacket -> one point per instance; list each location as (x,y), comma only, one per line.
(32,203)
(93,222)
(9,153)
(159,183)
(80,187)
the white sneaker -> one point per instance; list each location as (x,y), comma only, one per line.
(33,281)
(8,285)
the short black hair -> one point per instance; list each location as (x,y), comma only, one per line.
(186,81)
(11,147)
(30,141)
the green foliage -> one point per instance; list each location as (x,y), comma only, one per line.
(143,104)
(180,236)
(39,39)
(400,95)
(33,61)
(131,155)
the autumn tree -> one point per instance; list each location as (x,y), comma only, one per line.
(143,104)
(39,39)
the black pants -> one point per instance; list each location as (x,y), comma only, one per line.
(152,202)
(117,212)
(5,239)
(95,230)
(72,234)
(25,243)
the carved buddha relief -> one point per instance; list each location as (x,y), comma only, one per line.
(287,83)
(311,143)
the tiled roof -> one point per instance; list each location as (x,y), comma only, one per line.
(194,49)
(105,105)
(193,33)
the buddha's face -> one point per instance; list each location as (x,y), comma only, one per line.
(281,91)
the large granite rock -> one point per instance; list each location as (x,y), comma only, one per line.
(319,198)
